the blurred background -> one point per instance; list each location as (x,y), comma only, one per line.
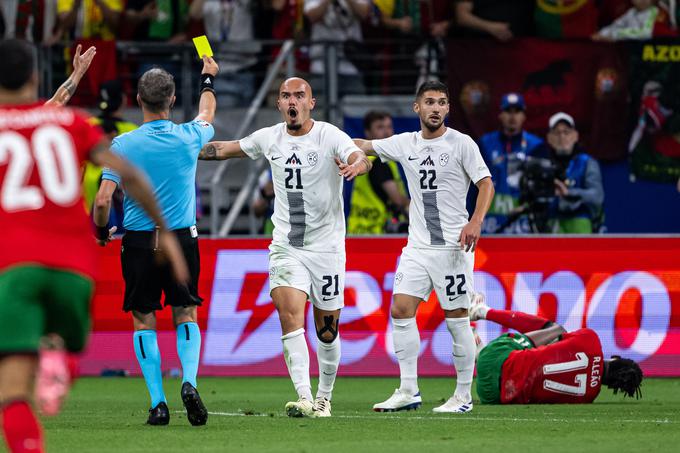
(575,105)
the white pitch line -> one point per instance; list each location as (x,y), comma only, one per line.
(464,417)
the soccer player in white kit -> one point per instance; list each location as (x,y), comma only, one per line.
(307,253)
(439,163)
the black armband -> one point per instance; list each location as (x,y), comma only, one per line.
(101,233)
(207,83)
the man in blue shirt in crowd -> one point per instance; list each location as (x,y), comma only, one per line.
(504,150)
(168,154)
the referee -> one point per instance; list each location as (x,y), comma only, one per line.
(167,153)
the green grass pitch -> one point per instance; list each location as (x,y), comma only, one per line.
(246,414)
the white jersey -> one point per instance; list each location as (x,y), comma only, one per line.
(308,206)
(438,172)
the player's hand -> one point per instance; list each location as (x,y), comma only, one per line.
(171,250)
(469,236)
(210,66)
(82,62)
(501,31)
(103,242)
(349,171)
(561,189)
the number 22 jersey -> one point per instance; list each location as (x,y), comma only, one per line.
(439,172)
(41,207)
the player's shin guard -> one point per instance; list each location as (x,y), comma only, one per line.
(328,355)
(149,358)
(521,322)
(463,354)
(296,354)
(189,350)
(21,428)
(406,339)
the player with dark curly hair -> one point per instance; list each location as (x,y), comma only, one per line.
(544,363)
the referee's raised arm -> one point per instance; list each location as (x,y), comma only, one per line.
(207,103)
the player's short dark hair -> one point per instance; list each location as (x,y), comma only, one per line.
(156,88)
(432,85)
(373,116)
(18,57)
(624,375)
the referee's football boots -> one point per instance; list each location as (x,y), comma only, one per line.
(196,411)
(159,415)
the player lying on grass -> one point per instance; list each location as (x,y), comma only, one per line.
(546,364)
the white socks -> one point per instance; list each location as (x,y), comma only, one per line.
(406,339)
(463,354)
(296,354)
(328,355)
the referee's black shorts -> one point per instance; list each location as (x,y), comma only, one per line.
(145,278)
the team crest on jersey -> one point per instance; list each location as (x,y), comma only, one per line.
(428,161)
(398,277)
(294,160)
(427,149)
(443,159)
(312,158)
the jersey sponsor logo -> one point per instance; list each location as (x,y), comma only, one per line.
(443,159)
(428,161)
(427,149)
(294,160)
(312,158)
(203,123)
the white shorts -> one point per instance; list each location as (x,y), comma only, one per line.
(320,275)
(448,272)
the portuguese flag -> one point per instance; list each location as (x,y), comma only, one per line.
(565,18)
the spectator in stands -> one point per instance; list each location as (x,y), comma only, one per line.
(263,201)
(421,26)
(231,22)
(36,20)
(638,22)
(339,21)
(379,203)
(501,19)
(504,150)
(154,20)
(89,19)
(578,187)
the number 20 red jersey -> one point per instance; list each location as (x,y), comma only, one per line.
(41,209)
(569,371)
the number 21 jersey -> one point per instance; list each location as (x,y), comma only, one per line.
(308,206)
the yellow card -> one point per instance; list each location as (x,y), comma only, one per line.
(202,46)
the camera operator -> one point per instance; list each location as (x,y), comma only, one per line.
(578,206)
(504,151)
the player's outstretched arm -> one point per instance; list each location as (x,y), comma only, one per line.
(469,235)
(207,104)
(138,188)
(221,151)
(357,164)
(365,145)
(81,63)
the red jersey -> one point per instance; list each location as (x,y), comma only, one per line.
(41,209)
(569,371)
